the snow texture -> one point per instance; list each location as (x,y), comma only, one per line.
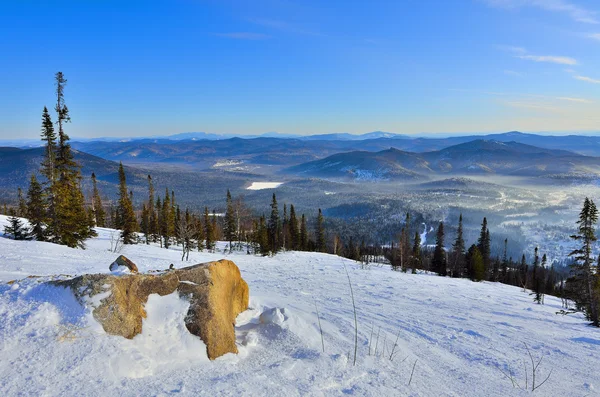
(460,334)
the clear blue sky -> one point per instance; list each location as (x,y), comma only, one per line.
(302,66)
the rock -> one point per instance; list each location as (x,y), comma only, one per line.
(123,264)
(216,292)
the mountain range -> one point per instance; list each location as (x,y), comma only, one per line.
(487,157)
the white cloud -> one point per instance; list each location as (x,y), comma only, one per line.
(549,58)
(577,100)
(595,36)
(244,35)
(587,79)
(577,13)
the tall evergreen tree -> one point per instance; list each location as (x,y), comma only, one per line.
(484,244)
(126,220)
(97,206)
(439,254)
(458,251)
(504,274)
(153,224)
(208,231)
(475,264)
(416,252)
(583,267)
(294,231)
(48,168)
(168,221)
(229,229)
(69,223)
(405,248)
(36,213)
(303,234)
(320,233)
(274,226)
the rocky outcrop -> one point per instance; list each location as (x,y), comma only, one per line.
(216,292)
(123,263)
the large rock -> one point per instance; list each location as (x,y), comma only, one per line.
(216,292)
(123,263)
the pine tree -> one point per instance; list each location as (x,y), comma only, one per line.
(208,231)
(320,233)
(539,279)
(36,212)
(458,251)
(484,244)
(405,248)
(416,252)
(97,206)
(274,226)
(15,228)
(303,234)
(168,221)
(294,231)
(153,224)
(229,229)
(48,169)
(126,220)
(475,264)
(439,255)
(68,223)
(584,263)
(505,262)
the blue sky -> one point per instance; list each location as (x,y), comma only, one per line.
(302,66)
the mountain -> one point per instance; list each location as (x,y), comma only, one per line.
(362,165)
(470,158)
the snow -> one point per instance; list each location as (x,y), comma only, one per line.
(264,185)
(460,334)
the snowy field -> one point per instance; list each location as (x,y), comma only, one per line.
(264,185)
(460,334)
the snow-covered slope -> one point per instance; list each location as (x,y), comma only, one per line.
(460,334)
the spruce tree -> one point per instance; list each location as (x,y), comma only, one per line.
(274,226)
(539,279)
(584,263)
(69,223)
(294,231)
(229,229)
(320,233)
(303,234)
(484,244)
(15,227)
(48,169)
(475,263)
(97,206)
(458,251)
(504,274)
(416,252)
(36,211)
(439,254)
(167,227)
(153,225)
(208,231)
(126,220)
(405,248)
